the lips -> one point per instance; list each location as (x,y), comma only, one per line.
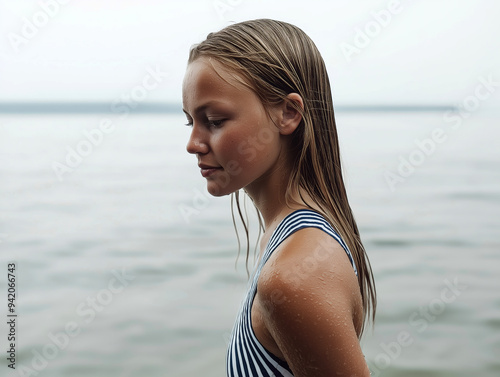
(208,170)
(204,166)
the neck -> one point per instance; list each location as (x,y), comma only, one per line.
(269,193)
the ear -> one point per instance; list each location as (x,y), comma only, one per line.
(290,117)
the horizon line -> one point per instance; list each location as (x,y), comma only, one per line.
(60,107)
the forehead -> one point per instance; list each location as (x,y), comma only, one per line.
(206,77)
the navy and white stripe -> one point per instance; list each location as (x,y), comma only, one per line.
(246,357)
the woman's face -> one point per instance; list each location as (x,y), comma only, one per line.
(235,141)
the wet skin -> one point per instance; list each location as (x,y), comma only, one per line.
(309,319)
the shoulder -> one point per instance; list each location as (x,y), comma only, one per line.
(311,304)
(309,258)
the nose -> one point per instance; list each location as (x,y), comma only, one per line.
(197,143)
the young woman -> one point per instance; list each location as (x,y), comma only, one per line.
(258,99)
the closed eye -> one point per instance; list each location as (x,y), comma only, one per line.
(215,123)
(210,123)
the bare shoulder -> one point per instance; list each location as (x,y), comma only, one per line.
(310,260)
(311,305)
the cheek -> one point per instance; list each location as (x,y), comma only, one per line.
(257,151)
(269,140)
(248,144)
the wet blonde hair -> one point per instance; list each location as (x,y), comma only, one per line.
(275,59)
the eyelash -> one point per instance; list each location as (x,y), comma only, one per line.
(212,123)
(215,123)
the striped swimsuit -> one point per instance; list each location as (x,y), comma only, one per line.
(246,357)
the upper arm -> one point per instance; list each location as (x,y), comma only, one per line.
(311,306)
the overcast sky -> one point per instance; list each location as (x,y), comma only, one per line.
(377,52)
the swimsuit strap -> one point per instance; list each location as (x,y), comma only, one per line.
(246,356)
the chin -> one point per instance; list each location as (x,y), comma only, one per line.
(216,190)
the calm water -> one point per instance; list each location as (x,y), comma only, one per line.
(126,267)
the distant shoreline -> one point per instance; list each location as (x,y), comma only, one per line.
(172,108)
